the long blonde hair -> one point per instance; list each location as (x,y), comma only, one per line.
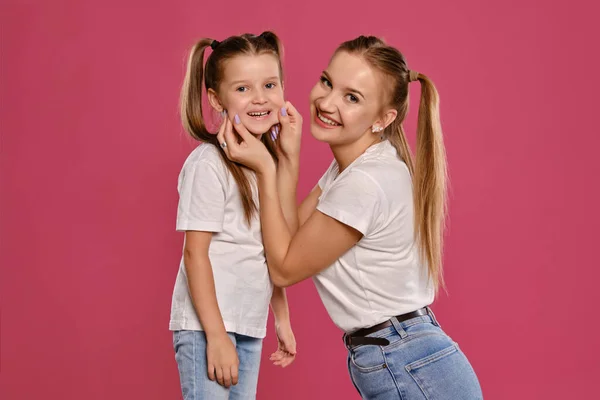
(429,172)
(191,95)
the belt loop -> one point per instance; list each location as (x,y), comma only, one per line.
(398,327)
(344,340)
(433,318)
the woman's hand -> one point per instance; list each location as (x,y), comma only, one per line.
(248,151)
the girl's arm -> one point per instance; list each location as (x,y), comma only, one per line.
(222,358)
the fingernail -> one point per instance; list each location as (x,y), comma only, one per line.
(273,134)
(277,129)
(283,111)
(237,119)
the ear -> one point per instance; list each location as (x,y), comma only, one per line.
(389,117)
(214,101)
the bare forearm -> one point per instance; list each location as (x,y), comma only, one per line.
(275,231)
(287,181)
(202,290)
(279,305)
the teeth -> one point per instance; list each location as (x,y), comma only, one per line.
(259,114)
(327,120)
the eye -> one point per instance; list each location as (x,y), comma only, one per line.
(352,98)
(270,85)
(325,82)
(242,89)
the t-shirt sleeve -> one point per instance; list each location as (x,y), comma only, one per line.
(327,175)
(354,200)
(201,198)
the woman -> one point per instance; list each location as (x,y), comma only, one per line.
(371,232)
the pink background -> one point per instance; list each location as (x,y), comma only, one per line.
(91,146)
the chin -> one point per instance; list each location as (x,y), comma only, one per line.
(322,135)
(259,127)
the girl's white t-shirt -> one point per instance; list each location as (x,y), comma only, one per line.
(382,275)
(209,200)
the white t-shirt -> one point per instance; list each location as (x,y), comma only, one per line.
(209,200)
(381,276)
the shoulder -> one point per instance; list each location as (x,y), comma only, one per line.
(205,156)
(384,167)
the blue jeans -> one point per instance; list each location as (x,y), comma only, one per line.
(190,354)
(421,362)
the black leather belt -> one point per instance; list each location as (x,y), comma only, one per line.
(360,336)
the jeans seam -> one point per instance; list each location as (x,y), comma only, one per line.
(426,361)
(392,375)
(194,341)
(352,378)
(366,370)
(432,358)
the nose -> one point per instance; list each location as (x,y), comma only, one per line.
(259,97)
(327,103)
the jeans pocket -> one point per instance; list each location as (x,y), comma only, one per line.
(367,358)
(176,336)
(446,374)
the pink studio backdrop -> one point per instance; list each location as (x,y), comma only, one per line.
(91,146)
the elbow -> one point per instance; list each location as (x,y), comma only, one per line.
(280,280)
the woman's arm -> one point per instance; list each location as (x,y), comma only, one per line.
(309,204)
(319,242)
(316,245)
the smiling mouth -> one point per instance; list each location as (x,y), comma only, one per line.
(259,114)
(326,120)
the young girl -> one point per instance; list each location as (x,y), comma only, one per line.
(371,231)
(222,292)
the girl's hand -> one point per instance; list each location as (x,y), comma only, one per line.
(222,360)
(286,345)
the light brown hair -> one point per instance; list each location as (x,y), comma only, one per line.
(429,171)
(212,74)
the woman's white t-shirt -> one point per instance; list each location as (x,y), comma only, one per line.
(382,275)
(209,200)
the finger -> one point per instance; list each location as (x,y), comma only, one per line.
(220,376)
(226,377)
(211,372)
(221,137)
(234,374)
(274,132)
(241,129)
(293,113)
(284,118)
(229,138)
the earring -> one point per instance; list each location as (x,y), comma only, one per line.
(375,129)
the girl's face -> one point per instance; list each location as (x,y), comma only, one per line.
(252,89)
(346,102)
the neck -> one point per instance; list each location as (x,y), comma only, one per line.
(345,154)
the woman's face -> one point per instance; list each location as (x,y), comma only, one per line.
(347,101)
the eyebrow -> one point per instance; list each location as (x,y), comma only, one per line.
(271,78)
(349,89)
